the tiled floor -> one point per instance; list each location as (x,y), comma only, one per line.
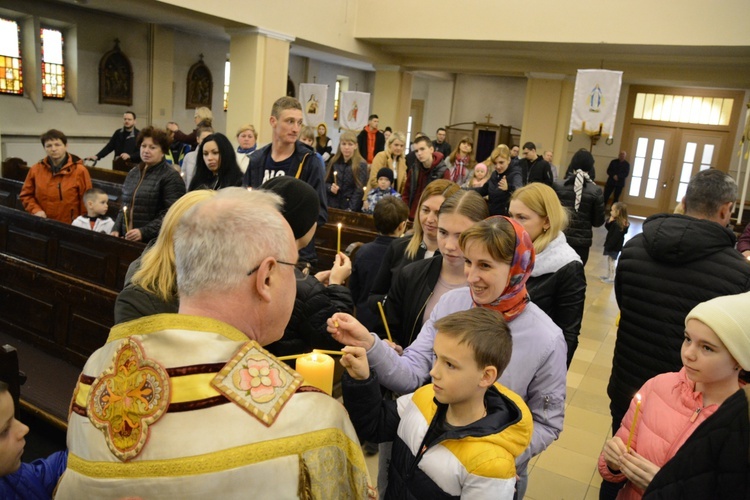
(567,469)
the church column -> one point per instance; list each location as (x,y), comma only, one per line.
(259,66)
(546,114)
(392,96)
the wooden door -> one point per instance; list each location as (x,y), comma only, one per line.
(651,165)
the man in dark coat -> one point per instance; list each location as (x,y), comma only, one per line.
(677,262)
(534,168)
(428,166)
(123,141)
(617,172)
(370,140)
(440,144)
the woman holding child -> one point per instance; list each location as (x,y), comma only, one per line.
(499,257)
(715,352)
(503,181)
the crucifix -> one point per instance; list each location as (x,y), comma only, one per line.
(488,117)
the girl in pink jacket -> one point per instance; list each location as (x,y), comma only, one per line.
(673,405)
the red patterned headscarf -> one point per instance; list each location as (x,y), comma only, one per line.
(515,297)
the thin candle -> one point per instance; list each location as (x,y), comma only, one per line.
(338,243)
(289,357)
(329,352)
(385,322)
(334,176)
(125,216)
(635,419)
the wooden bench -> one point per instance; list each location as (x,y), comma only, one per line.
(17,168)
(84,255)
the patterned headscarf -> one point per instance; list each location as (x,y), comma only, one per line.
(580,181)
(514,298)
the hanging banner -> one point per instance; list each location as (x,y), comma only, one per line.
(354,108)
(313,99)
(595,101)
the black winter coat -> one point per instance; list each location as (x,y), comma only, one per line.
(122,141)
(713,462)
(365,267)
(134,302)
(313,305)
(539,171)
(349,196)
(404,305)
(561,295)
(498,200)
(148,194)
(590,212)
(675,264)
(394,259)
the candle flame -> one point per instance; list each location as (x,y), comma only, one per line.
(339,225)
(249,188)
(638,397)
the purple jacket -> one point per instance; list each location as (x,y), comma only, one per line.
(537,369)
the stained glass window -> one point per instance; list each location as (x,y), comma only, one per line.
(53,68)
(11,69)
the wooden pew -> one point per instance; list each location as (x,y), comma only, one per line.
(83,255)
(356,227)
(16,168)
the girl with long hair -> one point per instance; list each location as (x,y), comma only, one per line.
(460,161)
(346,175)
(323,145)
(216,166)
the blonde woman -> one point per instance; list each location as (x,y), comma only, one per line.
(153,288)
(392,157)
(557,283)
(503,181)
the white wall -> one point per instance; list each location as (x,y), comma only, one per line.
(476,96)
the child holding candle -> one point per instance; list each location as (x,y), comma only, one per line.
(672,405)
(346,175)
(459,435)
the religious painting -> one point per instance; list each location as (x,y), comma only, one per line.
(115,78)
(200,86)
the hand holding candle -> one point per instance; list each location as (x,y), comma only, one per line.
(317,370)
(338,242)
(635,420)
(334,176)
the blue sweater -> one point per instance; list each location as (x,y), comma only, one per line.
(34,481)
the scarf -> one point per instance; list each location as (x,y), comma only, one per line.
(556,254)
(246,151)
(578,184)
(515,297)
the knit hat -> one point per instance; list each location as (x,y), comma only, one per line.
(301,203)
(385,172)
(729,318)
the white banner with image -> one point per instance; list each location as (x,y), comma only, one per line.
(595,99)
(354,108)
(313,98)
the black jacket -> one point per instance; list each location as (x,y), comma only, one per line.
(313,305)
(615,237)
(675,264)
(497,199)
(561,295)
(394,259)
(349,196)
(362,143)
(619,168)
(416,171)
(365,267)
(122,141)
(134,302)
(590,211)
(713,462)
(148,194)
(538,171)
(412,287)
(312,172)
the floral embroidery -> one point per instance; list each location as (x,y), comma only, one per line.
(258,379)
(127,398)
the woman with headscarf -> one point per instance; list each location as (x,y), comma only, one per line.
(584,201)
(499,257)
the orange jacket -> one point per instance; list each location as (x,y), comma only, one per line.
(59,195)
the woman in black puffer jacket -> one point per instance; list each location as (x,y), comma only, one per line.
(585,202)
(150,188)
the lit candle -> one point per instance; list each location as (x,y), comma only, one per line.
(334,176)
(125,216)
(249,188)
(317,370)
(385,322)
(635,419)
(338,243)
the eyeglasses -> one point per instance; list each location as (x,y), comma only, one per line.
(251,271)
